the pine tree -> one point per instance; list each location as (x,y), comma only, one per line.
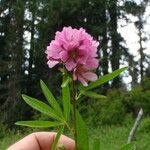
(140,27)
(14,75)
(115,40)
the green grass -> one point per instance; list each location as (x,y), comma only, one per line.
(112,138)
(9,139)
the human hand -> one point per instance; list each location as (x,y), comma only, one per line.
(42,141)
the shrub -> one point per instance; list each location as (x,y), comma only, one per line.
(108,111)
(145,125)
(2,131)
(138,97)
(112,111)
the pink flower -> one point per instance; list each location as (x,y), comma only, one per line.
(73,48)
(83,74)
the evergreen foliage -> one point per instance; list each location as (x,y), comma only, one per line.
(26,27)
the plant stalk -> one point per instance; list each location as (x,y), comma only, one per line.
(74,112)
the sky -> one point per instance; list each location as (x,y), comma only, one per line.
(130,34)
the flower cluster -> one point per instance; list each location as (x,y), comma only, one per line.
(77,50)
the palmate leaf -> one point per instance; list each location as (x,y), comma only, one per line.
(60,131)
(82,133)
(66,101)
(38,124)
(41,107)
(103,79)
(93,95)
(51,99)
(127,147)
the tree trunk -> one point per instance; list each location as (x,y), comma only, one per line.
(104,45)
(141,48)
(115,53)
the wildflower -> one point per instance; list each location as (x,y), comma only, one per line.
(73,48)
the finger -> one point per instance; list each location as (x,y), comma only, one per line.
(42,141)
(28,142)
(68,143)
(45,142)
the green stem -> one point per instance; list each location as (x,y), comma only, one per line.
(74,112)
(71,131)
(78,96)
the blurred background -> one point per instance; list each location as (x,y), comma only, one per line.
(123,29)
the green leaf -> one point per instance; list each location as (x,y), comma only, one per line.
(127,147)
(66,101)
(51,99)
(41,107)
(38,124)
(54,146)
(82,133)
(104,79)
(93,95)
(96,144)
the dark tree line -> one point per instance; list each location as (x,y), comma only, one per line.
(27,27)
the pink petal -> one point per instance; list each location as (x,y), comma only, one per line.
(53,50)
(63,56)
(70,65)
(52,63)
(81,60)
(90,76)
(92,63)
(82,47)
(83,81)
(83,52)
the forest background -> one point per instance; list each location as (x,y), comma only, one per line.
(27,27)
